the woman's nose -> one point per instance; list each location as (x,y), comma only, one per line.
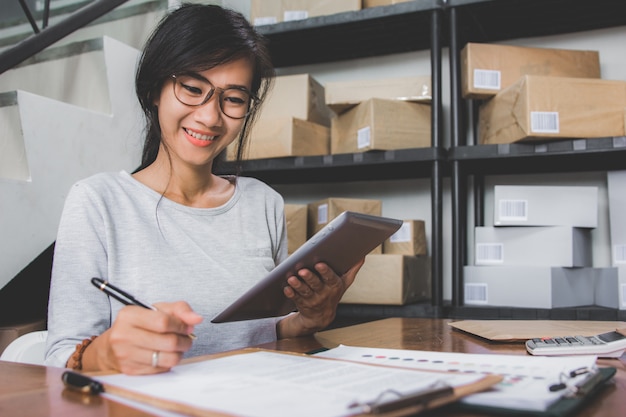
(210,113)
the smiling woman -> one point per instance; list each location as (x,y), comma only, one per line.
(185,240)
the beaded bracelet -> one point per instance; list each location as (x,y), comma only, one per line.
(77,356)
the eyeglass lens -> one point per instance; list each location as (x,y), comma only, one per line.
(234,102)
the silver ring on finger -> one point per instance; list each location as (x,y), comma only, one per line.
(155,359)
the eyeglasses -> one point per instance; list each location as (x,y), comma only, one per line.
(235,102)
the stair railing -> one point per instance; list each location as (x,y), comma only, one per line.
(48,35)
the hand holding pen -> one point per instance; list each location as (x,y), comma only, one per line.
(132,333)
(123,297)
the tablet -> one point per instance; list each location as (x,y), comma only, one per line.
(341,243)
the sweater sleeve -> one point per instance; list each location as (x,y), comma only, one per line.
(75,309)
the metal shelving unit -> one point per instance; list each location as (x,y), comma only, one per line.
(499,20)
(432,25)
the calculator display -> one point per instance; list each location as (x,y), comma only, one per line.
(610,337)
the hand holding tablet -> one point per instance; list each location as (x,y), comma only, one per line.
(340,244)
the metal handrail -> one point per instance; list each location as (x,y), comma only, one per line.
(48,35)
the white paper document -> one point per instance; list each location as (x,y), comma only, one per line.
(526,383)
(270,384)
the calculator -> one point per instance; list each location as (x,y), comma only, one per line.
(604,345)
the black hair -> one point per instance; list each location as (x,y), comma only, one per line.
(195,38)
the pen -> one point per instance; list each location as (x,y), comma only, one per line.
(122,296)
(81,383)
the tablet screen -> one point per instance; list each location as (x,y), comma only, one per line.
(341,244)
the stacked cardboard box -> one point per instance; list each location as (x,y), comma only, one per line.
(296,219)
(380,114)
(543,260)
(540,94)
(391,279)
(293,121)
(395,273)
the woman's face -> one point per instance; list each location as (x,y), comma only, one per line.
(195,135)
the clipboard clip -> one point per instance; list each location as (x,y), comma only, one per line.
(381,404)
(580,388)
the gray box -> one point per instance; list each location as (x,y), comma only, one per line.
(610,288)
(525,205)
(529,286)
(533,246)
(616,186)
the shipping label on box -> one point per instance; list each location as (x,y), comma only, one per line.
(323,211)
(528,286)
(533,246)
(526,205)
(277,138)
(544,108)
(410,239)
(300,96)
(390,279)
(488,68)
(264,12)
(344,95)
(376,3)
(296,220)
(378,124)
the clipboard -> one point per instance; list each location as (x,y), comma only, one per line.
(568,404)
(386,404)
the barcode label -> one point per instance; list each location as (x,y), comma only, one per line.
(476,294)
(544,122)
(364,137)
(489,253)
(322,214)
(623,291)
(487,79)
(513,210)
(619,254)
(267,20)
(289,15)
(402,235)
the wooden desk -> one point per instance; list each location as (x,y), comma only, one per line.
(37,391)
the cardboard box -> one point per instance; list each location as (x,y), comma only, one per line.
(610,288)
(533,246)
(277,138)
(616,187)
(526,205)
(378,124)
(376,3)
(489,68)
(299,96)
(264,12)
(528,286)
(543,108)
(10,333)
(296,220)
(391,280)
(410,239)
(321,212)
(344,95)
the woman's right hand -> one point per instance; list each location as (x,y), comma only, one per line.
(143,341)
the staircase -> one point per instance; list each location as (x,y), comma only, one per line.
(66,113)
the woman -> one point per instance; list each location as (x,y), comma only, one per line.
(173,232)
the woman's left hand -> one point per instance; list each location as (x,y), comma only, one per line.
(316,295)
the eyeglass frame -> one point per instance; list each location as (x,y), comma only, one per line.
(254,100)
